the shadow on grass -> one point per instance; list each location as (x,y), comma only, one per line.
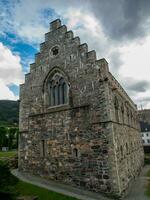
(11,187)
(26,189)
(7,182)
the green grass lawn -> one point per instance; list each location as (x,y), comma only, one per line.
(26,189)
(7,154)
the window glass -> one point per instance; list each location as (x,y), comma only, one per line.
(58,90)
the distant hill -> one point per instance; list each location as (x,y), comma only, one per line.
(9,112)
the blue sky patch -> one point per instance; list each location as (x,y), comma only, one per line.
(14,89)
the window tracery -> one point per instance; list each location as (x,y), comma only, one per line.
(58,90)
(54,51)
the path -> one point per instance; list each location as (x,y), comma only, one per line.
(136,192)
(57,187)
(139,186)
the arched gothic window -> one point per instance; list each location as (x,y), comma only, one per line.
(58,90)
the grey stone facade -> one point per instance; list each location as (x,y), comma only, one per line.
(144,115)
(91,140)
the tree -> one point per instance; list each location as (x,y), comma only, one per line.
(13,138)
(9,137)
(3,137)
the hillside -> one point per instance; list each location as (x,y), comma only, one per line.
(9,112)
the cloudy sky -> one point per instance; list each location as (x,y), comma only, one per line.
(118,30)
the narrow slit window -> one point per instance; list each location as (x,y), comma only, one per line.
(75,153)
(43,148)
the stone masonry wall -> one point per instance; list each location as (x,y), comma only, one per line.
(126,137)
(78,143)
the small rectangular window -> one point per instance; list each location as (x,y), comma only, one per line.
(43,152)
(75,153)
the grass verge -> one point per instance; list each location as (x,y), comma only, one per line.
(8,154)
(25,189)
(148,174)
(147,192)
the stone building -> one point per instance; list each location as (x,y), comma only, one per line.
(144,115)
(77,124)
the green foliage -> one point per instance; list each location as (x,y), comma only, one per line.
(9,117)
(3,136)
(146,161)
(6,178)
(7,182)
(9,137)
(43,194)
(9,113)
(7,194)
(147,158)
(148,173)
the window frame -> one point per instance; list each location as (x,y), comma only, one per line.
(48,92)
(51,51)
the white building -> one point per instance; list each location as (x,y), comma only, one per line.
(146,137)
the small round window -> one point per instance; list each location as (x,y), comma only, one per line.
(55,51)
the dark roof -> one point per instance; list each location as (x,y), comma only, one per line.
(145,126)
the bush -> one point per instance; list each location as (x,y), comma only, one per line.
(7,182)
(6,178)
(7,194)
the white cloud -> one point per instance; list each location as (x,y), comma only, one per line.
(30,23)
(32,33)
(5,92)
(28,20)
(135,69)
(128,62)
(143,99)
(125,59)
(136,59)
(10,72)
(90,31)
